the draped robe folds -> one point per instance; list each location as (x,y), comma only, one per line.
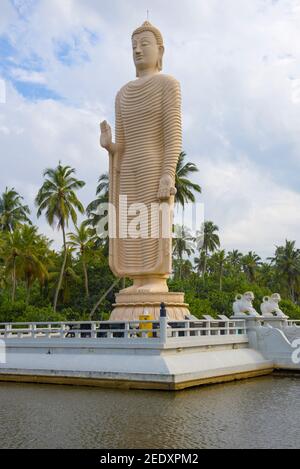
(149,141)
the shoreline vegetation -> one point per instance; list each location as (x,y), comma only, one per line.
(39,284)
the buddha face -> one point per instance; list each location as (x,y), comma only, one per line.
(147,54)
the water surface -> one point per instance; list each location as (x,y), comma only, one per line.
(258,413)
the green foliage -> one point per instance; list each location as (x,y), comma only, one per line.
(199,307)
(290,309)
(35,314)
(184,186)
(70,315)
(10,312)
(32,274)
(102,193)
(58,199)
(12,211)
(208,299)
(221,302)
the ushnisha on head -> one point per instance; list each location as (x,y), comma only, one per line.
(148,49)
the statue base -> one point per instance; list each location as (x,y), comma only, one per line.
(130,306)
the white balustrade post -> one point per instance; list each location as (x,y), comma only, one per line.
(163,324)
(252,324)
(127,331)
(48,333)
(63,329)
(7,331)
(94,331)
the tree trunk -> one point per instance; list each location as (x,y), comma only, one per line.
(204,266)
(180,267)
(103,298)
(14,282)
(61,276)
(292,291)
(27,292)
(221,279)
(86,279)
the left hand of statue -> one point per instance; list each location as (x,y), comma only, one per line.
(166,188)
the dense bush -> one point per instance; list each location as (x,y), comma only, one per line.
(36,314)
(290,309)
(205,296)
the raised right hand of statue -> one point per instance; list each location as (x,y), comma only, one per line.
(106,136)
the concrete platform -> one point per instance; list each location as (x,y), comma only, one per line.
(162,354)
(142,364)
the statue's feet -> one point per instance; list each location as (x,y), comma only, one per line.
(150,285)
(132,289)
(153,288)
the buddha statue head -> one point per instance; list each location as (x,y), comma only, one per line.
(148,49)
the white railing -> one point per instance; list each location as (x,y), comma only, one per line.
(207,328)
(292,322)
(161,329)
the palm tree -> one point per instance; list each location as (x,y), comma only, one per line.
(69,277)
(199,263)
(11,250)
(102,194)
(208,241)
(57,197)
(25,255)
(3,283)
(32,259)
(182,269)
(251,263)
(185,187)
(12,210)
(287,263)
(267,276)
(219,259)
(83,240)
(234,259)
(183,244)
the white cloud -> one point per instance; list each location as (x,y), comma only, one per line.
(4,130)
(28,76)
(253,213)
(2,91)
(239,66)
(7,16)
(37,135)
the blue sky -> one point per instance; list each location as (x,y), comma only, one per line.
(239,66)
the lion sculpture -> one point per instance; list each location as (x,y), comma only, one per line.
(243,305)
(270,306)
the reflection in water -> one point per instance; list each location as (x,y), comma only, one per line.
(262,412)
